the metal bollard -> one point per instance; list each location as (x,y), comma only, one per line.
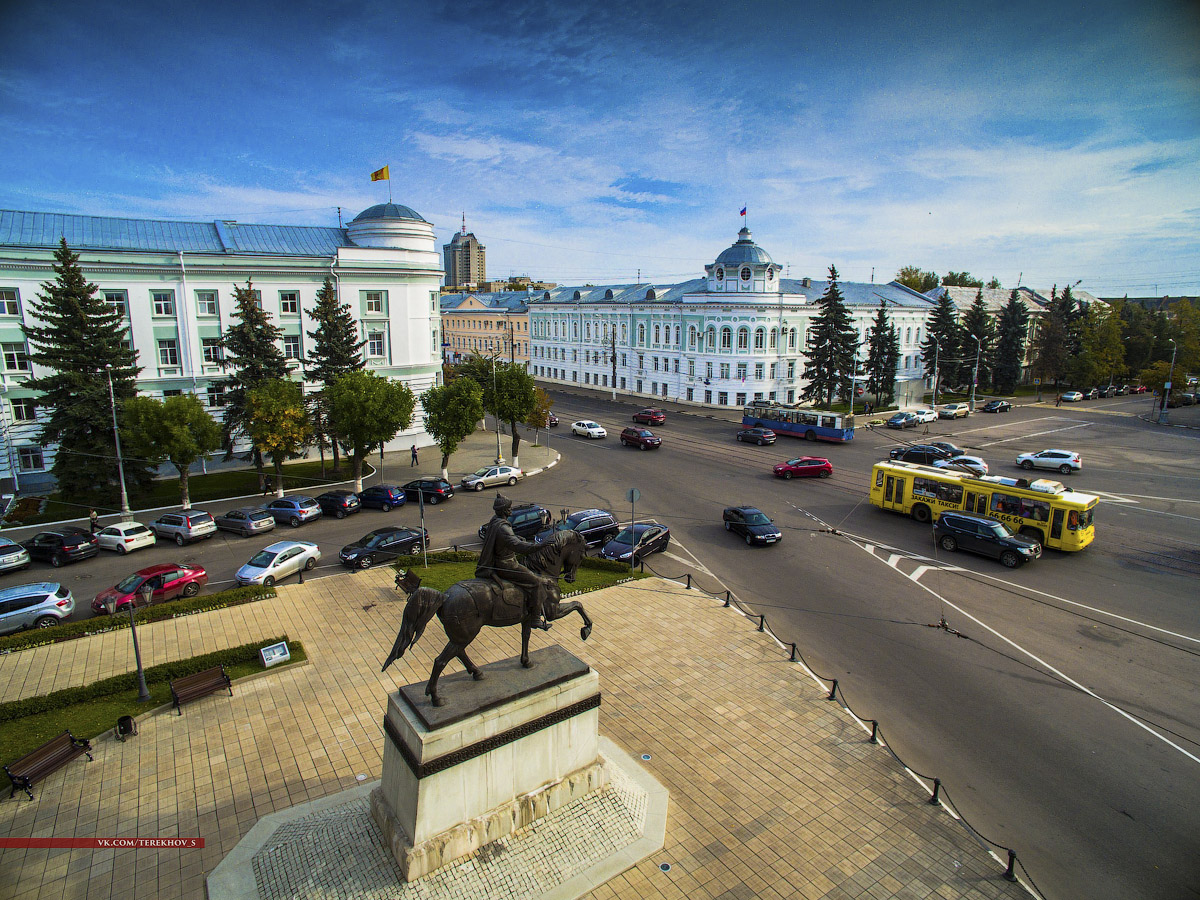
(1010,872)
(833,691)
(301,575)
(793,656)
(728,598)
(762,623)
(874,731)
(937,786)
(689,580)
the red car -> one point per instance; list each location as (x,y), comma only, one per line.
(804,467)
(650,417)
(168,582)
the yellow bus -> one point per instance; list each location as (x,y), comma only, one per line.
(1045,510)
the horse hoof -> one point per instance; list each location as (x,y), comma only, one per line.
(526,664)
(585,631)
(438,701)
(478,676)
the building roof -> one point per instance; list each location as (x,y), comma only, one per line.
(512,301)
(995,299)
(744,250)
(387,210)
(855,294)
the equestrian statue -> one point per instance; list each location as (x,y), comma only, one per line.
(503,592)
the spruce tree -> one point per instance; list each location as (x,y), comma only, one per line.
(883,357)
(832,348)
(1010,345)
(977,323)
(335,352)
(78,337)
(940,349)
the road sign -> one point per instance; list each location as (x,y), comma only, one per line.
(633,495)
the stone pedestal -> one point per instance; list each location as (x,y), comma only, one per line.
(500,754)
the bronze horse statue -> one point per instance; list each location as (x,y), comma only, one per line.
(467,606)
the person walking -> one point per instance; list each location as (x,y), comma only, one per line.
(414,457)
(1058,400)
(94,521)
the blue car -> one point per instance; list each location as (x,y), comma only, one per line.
(294,511)
(382,496)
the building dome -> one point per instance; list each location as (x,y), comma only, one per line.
(391,226)
(387,211)
(744,251)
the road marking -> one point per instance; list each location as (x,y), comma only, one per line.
(1037,434)
(1148,497)
(1114,498)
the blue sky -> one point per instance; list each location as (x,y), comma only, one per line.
(588,142)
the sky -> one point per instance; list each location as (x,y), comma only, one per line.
(610,142)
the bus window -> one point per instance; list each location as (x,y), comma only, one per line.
(879,478)
(887,494)
(828,422)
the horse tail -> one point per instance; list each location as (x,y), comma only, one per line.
(422,606)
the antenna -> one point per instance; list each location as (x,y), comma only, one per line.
(464,227)
(339,217)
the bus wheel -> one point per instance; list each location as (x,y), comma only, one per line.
(810,435)
(921,513)
(1034,533)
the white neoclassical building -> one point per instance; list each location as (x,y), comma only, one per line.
(735,335)
(174,281)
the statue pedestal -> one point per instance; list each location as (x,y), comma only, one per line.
(500,754)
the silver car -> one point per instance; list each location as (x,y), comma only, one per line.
(34,606)
(246,521)
(184,527)
(490,476)
(278,561)
(12,556)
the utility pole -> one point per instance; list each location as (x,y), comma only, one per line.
(612,352)
(975,376)
(1162,411)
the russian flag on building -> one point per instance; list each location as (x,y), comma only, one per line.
(743,212)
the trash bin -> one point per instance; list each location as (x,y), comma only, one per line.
(125,727)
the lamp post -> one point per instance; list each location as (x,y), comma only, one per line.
(126,513)
(1162,412)
(499,454)
(110,604)
(975,376)
(937,349)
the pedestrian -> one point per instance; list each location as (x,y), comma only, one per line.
(414,457)
(94,520)
(1058,400)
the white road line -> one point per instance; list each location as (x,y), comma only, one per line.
(1147,497)
(1037,434)
(1112,498)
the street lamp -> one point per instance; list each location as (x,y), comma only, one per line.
(937,349)
(146,591)
(975,377)
(1162,412)
(499,454)
(126,513)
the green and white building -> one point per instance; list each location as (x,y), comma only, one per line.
(174,281)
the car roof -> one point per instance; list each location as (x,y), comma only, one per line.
(280,546)
(745,509)
(38,586)
(970,517)
(159,569)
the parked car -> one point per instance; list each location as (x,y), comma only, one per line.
(1140,389)
(588,429)
(637,542)
(382,545)
(432,490)
(1108,390)
(598,527)
(950,449)
(1179,398)
(382,496)
(246,521)
(278,561)
(1120,390)
(642,438)
(954,411)
(996,406)
(526,520)
(1091,394)
(650,417)
(339,504)
(63,545)
(925,416)
(185,527)
(1064,461)
(490,476)
(125,536)
(985,536)
(758,436)
(34,606)
(925,454)
(972,464)
(551,420)
(13,556)
(1072,397)
(752,524)
(902,420)
(167,582)
(804,467)
(294,510)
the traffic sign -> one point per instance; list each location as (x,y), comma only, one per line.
(633,495)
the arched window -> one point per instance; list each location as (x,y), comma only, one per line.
(792,339)
(606,332)
(574,331)
(774,339)
(641,335)
(743,338)
(726,338)
(908,335)
(918,335)
(556,329)
(657,334)
(588,330)
(760,336)
(691,337)
(624,333)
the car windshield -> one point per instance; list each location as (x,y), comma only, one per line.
(1001,530)
(130,584)
(479,473)
(625,537)
(307,503)
(262,559)
(258,514)
(757,518)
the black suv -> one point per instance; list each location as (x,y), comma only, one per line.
(526,520)
(926,454)
(339,504)
(63,545)
(597,526)
(383,545)
(985,536)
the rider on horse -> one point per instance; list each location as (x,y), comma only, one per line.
(498,560)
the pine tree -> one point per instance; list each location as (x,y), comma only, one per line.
(1010,345)
(832,348)
(335,352)
(79,337)
(940,349)
(976,323)
(883,357)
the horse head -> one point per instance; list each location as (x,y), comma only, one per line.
(560,555)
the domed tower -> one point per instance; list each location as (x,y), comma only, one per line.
(744,267)
(391,226)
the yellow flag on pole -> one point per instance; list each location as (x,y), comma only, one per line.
(381,175)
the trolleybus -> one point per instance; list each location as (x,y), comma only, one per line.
(798,421)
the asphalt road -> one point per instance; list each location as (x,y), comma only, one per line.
(1057,703)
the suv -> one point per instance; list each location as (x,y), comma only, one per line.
(185,527)
(34,606)
(597,526)
(650,417)
(525,520)
(62,545)
(382,496)
(642,438)
(954,411)
(339,504)
(12,556)
(986,536)
(925,454)
(294,511)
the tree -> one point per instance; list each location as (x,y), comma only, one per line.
(940,348)
(1102,345)
(977,324)
(1010,345)
(255,358)
(883,357)
(913,277)
(539,416)
(79,337)
(335,350)
(451,411)
(960,279)
(993,284)
(1050,354)
(277,423)
(177,430)
(832,348)
(515,400)
(367,411)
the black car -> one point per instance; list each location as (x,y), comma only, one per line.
(526,520)
(382,496)
(951,449)
(986,536)
(924,454)
(996,406)
(597,526)
(760,436)
(383,544)
(339,504)
(752,524)
(637,541)
(433,490)
(62,545)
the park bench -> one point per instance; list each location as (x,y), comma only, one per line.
(48,758)
(190,687)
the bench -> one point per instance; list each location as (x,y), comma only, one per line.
(48,758)
(190,687)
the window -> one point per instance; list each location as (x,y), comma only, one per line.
(654,360)
(16,357)
(8,303)
(726,338)
(774,370)
(289,303)
(722,398)
(691,368)
(206,303)
(745,273)
(774,339)
(710,339)
(741,371)
(291,346)
(691,337)
(24,410)
(724,370)
(657,334)
(172,392)
(792,339)
(211,348)
(373,302)
(641,335)
(216,395)
(164,302)
(116,300)
(791,369)
(740,398)
(30,459)
(375,343)
(676,335)
(758,370)
(759,338)
(743,338)
(168,352)
(708,372)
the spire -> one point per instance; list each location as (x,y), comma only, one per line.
(464,225)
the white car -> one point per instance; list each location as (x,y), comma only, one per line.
(954,411)
(972,464)
(1063,461)
(925,416)
(588,429)
(278,561)
(126,536)
(1072,397)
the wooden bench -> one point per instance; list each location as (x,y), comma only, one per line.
(190,687)
(48,758)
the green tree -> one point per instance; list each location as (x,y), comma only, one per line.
(254,356)
(1103,346)
(1186,320)
(277,423)
(515,400)
(940,348)
(832,348)
(883,357)
(80,339)
(913,277)
(367,411)
(539,416)
(960,279)
(993,283)
(177,430)
(451,411)
(977,326)
(1050,354)
(335,350)
(1010,345)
